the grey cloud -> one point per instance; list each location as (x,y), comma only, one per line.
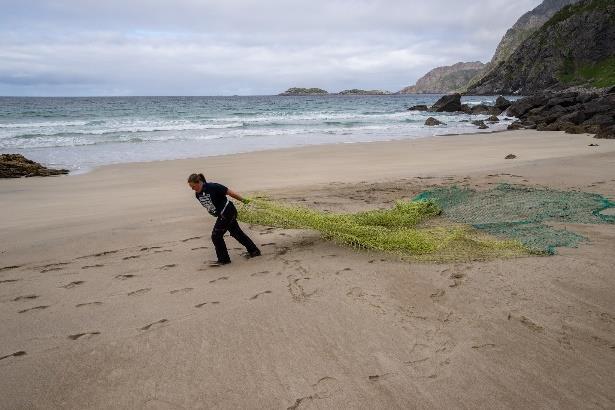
(239,47)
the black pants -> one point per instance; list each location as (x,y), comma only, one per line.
(228,222)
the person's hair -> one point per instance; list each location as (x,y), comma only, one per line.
(194,178)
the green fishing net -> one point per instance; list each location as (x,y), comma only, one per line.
(523,213)
(401,230)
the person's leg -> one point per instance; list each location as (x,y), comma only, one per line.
(242,238)
(237,233)
(217,237)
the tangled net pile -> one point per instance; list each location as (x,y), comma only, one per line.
(522,213)
(396,230)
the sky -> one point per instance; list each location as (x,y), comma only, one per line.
(232,47)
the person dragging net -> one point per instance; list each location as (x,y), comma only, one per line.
(213,197)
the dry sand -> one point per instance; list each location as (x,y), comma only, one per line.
(103,286)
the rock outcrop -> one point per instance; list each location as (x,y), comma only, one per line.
(17,166)
(576,46)
(431,122)
(443,80)
(574,112)
(525,26)
(448,103)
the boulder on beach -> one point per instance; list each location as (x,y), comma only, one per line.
(493,118)
(420,107)
(510,156)
(481,124)
(448,103)
(17,166)
(431,121)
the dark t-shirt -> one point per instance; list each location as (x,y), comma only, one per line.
(213,197)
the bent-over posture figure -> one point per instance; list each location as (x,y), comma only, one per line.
(213,198)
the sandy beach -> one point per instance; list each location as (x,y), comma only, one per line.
(106,299)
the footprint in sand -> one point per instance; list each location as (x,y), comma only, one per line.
(139,292)
(258,294)
(343,270)
(34,308)
(96,255)
(268,244)
(437,294)
(80,335)
(198,248)
(149,248)
(184,290)
(191,239)
(88,304)
(125,258)
(2,269)
(73,284)
(457,279)
(220,278)
(8,280)
(163,251)
(25,297)
(261,273)
(154,325)
(530,324)
(16,354)
(50,269)
(124,276)
(55,266)
(379,377)
(165,267)
(92,266)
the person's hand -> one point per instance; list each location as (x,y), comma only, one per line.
(246,200)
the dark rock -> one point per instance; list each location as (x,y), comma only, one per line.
(431,121)
(481,124)
(611,90)
(522,106)
(593,145)
(493,118)
(606,133)
(486,109)
(517,125)
(16,166)
(420,107)
(448,103)
(576,117)
(466,108)
(510,156)
(502,103)
(601,119)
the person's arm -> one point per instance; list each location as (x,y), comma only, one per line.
(235,195)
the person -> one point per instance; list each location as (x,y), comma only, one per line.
(213,197)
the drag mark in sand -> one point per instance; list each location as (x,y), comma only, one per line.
(8,280)
(50,269)
(198,248)
(95,255)
(34,308)
(149,248)
(16,354)
(220,278)
(80,335)
(159,322)
(258,294)
(125,258)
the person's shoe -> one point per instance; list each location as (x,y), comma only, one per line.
(252,254)
(215,264)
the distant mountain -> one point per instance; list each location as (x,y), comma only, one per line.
(447,79)
(525,26)
(304,91)
(576,46)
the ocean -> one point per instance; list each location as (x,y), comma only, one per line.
(81,133)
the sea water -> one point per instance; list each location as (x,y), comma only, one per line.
(84,132)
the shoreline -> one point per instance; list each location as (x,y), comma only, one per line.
(104,284)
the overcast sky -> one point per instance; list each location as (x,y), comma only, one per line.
(226,47)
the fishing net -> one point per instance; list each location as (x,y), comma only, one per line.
(523,213)
(399,230)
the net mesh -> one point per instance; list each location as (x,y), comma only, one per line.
(399,230)
(523,213)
